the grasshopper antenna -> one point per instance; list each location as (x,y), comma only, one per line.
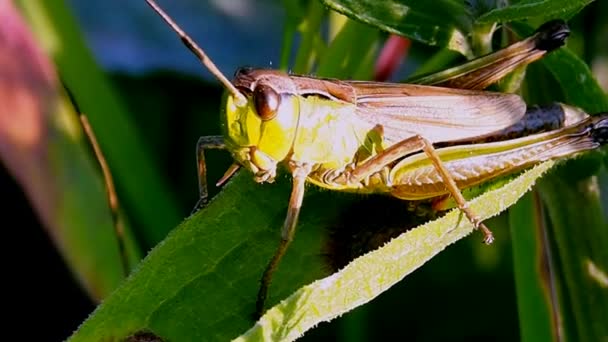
(240,99)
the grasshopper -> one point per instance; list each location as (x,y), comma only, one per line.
(372,137)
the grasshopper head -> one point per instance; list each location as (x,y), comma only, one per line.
(261,111)
(260,134)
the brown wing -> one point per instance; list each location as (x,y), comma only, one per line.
(438,114)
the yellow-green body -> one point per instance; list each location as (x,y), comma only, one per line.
(326,131)
(311,130)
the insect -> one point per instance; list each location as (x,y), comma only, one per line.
(372,137)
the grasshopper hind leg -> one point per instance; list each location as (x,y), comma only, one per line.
(410,145)
(450,184)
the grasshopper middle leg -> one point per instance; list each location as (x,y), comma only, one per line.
(299,174)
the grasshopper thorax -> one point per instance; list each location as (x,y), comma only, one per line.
(260,134)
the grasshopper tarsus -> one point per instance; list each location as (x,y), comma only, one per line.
(200,204)
(267,277)
(463,205)
(262,292)
(488,237)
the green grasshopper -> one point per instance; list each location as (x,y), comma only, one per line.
(372,137)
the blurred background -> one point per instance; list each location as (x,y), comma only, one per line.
(166,101)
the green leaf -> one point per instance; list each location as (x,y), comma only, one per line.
(84,231)
(579,86)
(546,9)
(578,259)
(343,57)
(573,202)
(309,29)
(533,278)
(443,22)
(580,234)
(201,282)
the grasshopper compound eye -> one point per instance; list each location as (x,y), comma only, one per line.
(266,101)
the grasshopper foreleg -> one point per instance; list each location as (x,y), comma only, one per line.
(215,142)
(408,146)
(299,174)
